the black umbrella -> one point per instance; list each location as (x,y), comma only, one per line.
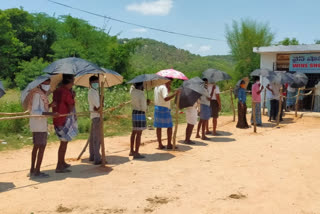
(71,65)
(2,91)
(300,80)
(281,77)
(214,75)
(149,80)
(262,72)
(191,91)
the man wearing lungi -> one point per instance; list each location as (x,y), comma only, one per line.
(66,127)
(162,112)
(139,123)
(95,132)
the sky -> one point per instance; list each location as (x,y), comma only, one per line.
(204,18)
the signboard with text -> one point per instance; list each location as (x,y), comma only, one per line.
(305,63)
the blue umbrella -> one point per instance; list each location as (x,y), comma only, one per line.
(71,65)
(2,92)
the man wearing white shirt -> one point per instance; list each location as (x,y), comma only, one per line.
(38,104)
(215,104)
(162,112)
(95,132)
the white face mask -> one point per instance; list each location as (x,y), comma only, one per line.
(45,87)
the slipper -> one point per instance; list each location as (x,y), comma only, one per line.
(205,138)
(65,165)
(171,147)
(41,175)
(198,136)
(63,170)
(189,142)
(138,156)
(208,132)
(131,154)
(161,147)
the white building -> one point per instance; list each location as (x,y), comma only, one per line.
(293,58)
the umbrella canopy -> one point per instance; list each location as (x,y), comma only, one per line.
(149,80)
(281,77)
(2,92)
(300,80)
(109,77)
(71,65)
(55,79)
(262,72)
(171,73)
(214,75)
(191,91)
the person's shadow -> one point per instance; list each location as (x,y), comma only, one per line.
(156,157)
(5,186)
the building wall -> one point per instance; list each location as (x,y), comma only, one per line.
(268,60)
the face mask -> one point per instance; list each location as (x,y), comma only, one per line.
(95,85)
(45,87)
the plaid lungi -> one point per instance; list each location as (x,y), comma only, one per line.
(258,114)
(138,120)
(162,117)
(69,130)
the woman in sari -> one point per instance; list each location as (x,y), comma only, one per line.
(242,107)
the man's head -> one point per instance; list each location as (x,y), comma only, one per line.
(205,82)
(242,84)
(45,86)
(168,84)
(94,82)
(256,79)
(67,80)
(139,85)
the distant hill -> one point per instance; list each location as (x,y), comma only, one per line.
(152,56)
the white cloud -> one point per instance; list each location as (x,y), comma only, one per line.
(139,30)
(158,7)
(204,48)
(188,46)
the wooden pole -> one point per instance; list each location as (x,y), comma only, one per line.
(280,106)
(297,103)
(103,153)
(83,150)
(232,105)
(312,103)
(177,121)
(254,117)
(264,101)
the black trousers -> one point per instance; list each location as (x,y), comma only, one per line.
(274,105)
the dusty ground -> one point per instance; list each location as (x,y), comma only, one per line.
(276,170)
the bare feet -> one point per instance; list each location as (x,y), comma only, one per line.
(161,147)
(197,136)
(205,138)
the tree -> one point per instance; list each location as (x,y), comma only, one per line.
(242,37)
(287,41)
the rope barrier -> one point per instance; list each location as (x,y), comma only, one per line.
(61,115)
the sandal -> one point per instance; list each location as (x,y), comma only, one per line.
(41,175)
(65,165)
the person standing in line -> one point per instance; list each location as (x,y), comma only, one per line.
(256,98)
(242,107)
(274,102)
(139,122)
(192,119)
(291,100)
(38,104)
(215,104)
(66,127)
(316,106)
(95,131)
(205,113)
(162,112)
